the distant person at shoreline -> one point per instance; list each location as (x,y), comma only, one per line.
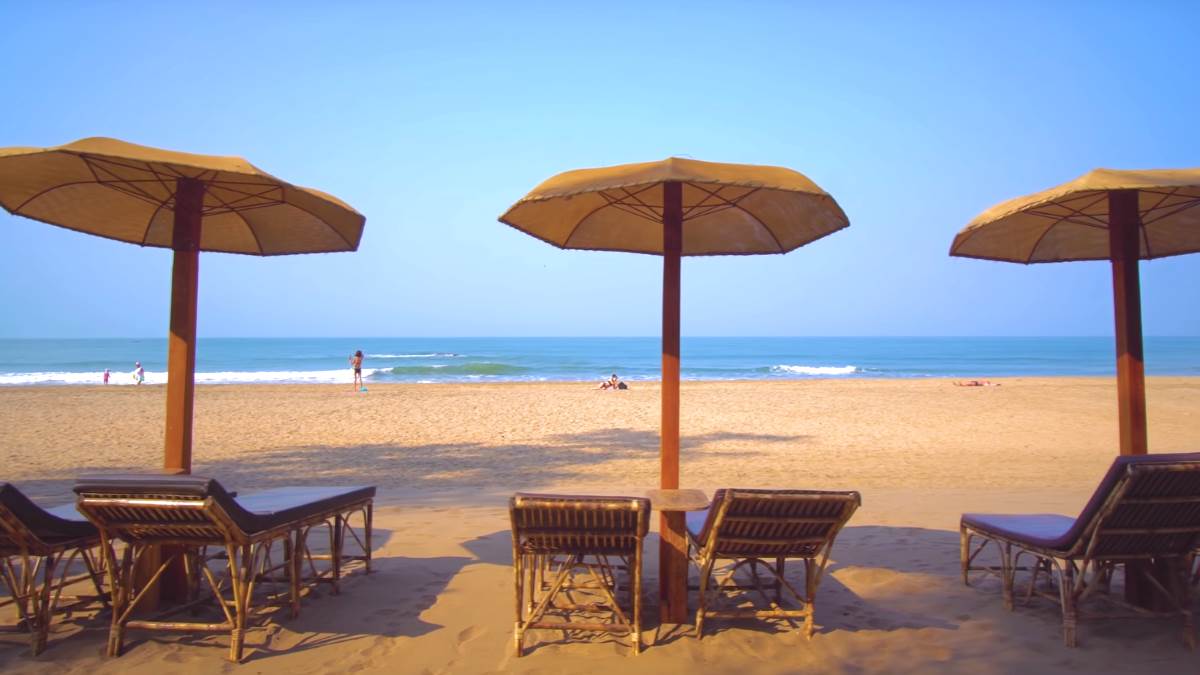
(106,374)
(356,364)
(139,373)
(613,382)
(977,383)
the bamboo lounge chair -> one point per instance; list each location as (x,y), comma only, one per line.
(761,530)
(1146,508)
(33,540)
(576,547)
(187,514)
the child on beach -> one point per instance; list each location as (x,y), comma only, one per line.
(139,373)
(106,376)
(356,364)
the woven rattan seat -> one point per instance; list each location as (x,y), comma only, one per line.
(570,554)
(760,530)
(186,515)
(1146,508)
(38,541)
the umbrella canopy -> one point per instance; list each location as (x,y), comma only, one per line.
(124,191)
(730,209)
(1122,216)
(1071,221)
(175,200)
(674,208)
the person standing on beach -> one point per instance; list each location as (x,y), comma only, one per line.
(139,373)
(356,364)
(106,376)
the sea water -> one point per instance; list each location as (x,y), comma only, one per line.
(431,360)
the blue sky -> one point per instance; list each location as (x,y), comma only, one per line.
(432,118)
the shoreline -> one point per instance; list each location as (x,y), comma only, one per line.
(593,382)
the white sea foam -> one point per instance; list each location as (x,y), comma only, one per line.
(438,355)
(227,377)
(814,370)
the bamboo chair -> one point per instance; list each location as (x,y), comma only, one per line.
(760,530)
(1146,508)
(41,541)
(184,516)
(576,547)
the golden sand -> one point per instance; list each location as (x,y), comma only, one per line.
(446,456)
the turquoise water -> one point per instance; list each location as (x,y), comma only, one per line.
(324,360)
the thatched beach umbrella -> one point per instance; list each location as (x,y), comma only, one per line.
(185,202)
(677,207)
(1121,216)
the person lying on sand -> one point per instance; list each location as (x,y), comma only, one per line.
(613,382)
(977,383)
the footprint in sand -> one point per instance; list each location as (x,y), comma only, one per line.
(466,635)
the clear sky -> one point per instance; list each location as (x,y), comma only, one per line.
(433,118)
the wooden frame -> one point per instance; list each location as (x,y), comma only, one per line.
(760,530)
(24,557)
(578,546)
(1149,522)
(185,528)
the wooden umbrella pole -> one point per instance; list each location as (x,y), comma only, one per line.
(1123,235)
(181,375)
(1124,227)
(181,355)
(673,546)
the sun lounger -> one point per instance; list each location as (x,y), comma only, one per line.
(185,514)
(760,530)
(46,542)
(575,547)
(1146,508)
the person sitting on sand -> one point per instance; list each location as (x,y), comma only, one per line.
(611,383)
(977,383)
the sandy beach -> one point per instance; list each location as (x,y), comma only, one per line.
(445,458)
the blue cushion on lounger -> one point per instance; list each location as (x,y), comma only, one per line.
(1060,533)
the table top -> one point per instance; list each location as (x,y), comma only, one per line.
(677,500)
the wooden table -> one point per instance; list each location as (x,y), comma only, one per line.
(673,548)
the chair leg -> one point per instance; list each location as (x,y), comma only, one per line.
(964,553)
(810,592)
(367,524)
(637,599)
(1008,574)
(120,578)
(1066,591)
(42,605)
(779,564)
(702,600)
(518,585)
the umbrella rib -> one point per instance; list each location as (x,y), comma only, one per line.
(245,196)
(637,201)
(608,201)
(250,227)
(1059,219)
(764,226)
(1171,210)
(336,231)
(736,205)
(119,182)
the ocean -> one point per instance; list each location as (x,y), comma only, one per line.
(430,360)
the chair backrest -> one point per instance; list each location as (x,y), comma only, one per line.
(775,523)
(1152,509)
(164,509)
(581,525)
(25,526)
